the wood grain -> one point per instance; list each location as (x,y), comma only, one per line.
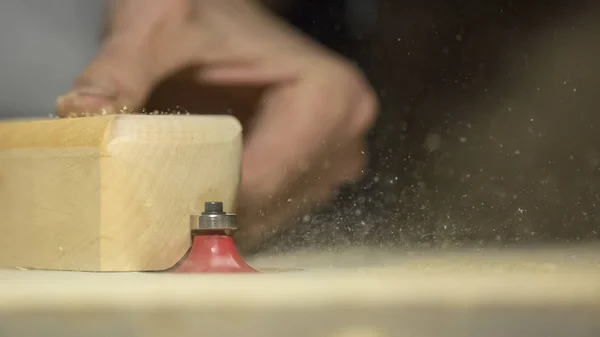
(547,291)
(111,193)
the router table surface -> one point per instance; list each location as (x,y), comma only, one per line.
(553,291)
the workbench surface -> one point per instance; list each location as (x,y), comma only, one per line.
(551,291)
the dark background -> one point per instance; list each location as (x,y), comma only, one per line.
(488,127)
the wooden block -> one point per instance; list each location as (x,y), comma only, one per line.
(541,292)
(111,193)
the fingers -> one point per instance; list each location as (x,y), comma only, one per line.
(132,59)
(309,139)
(298,124)
(287,134)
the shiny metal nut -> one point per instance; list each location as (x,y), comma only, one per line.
(213,222)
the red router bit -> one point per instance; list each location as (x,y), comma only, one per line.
(213,249)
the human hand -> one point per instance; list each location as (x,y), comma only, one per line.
(307,135)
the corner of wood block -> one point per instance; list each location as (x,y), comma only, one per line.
(118,201)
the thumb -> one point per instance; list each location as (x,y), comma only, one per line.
(133,59)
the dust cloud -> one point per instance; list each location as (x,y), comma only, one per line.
(488,134)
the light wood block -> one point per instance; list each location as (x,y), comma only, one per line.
(111,193)
(534,292)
